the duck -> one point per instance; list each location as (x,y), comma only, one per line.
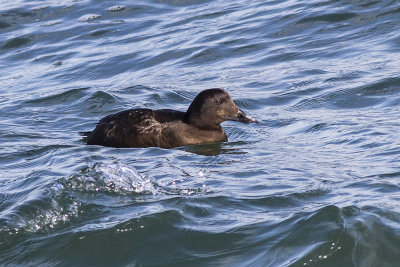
(167,128)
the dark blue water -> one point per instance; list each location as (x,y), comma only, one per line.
(315,183)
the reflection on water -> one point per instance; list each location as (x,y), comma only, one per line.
(212,149)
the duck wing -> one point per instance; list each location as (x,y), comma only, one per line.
(138,116)
(132,128)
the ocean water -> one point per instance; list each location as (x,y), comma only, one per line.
(315,183)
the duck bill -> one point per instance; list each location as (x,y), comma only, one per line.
(242,117)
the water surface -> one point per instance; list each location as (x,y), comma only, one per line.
(315,183)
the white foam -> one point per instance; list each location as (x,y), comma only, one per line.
(125,178)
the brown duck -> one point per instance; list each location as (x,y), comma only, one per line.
(167,128)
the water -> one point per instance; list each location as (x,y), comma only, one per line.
(315,183)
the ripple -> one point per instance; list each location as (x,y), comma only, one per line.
(16,42)
(59,98)
(335,17)
(358,97)
(57,205)
(4,24)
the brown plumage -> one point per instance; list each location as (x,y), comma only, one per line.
(168,128)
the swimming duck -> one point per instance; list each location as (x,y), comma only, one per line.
(168,128)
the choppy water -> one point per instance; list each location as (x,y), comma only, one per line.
(316,183)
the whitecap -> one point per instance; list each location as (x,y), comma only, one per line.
(89,17)
(125,178)
(116,8)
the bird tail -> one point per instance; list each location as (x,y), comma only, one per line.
(86,134)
